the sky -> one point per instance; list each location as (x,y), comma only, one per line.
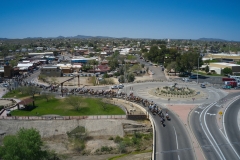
(157,19)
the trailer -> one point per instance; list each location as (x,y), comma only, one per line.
(228,79)
(233,84)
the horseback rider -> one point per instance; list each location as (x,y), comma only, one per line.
(167,115)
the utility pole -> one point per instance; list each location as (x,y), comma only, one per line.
(197,70)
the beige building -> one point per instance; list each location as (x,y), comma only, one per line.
(223,57)
(217,67)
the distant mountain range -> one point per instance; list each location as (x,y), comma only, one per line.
(211,39)
(105,37)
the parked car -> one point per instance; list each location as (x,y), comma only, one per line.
(114,87)
(185,79)
(203,86)
(120,87)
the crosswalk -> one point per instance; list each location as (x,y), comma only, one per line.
(145,94)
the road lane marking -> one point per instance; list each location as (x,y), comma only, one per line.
(204,118)
(235,99)
(212,104)
(176,136)
(178,157)
(222,133)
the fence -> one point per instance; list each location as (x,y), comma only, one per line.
(63,117)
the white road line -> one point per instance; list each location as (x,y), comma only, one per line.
(210,132)
(222,133)
(225,128)
(176,136)
(178,157)
(205,131)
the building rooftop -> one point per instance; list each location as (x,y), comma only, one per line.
(226,64)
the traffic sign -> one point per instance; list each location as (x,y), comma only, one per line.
(220,112)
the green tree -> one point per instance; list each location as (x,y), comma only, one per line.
(26,144)
(105,75)
(32,90)
(47,96)
(130,77)
(227,71)
(94,63)
(135,68)
(121,79)
(113,64)
(172,65)
(75,101)
(207,69)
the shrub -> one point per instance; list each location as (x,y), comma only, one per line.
(122,147)
(118,139)
(110,138)
(1,107)
(106,149)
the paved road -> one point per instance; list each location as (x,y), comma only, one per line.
(232,127)
(205,127)
(158,73)
(172,141)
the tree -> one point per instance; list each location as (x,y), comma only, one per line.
(75,101)
(113,64)
(32,90)
(207,69)
(54,80)
(172,65)
(94,63)
(105,75)
(104,105)
(227,71)
(135,68)
(47,96)
(26,144)
(121,79)
(130,77)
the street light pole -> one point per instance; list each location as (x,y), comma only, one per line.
(197,70)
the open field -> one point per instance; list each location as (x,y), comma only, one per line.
(90,106)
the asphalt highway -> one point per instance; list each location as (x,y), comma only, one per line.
(172,140)
(211,138)
(232,127)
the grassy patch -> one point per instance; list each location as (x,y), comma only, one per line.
(136,142)
(15,94)
(91,106)
(131,57)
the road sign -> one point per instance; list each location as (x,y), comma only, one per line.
(220,112)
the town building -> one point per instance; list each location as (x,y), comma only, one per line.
(51,71)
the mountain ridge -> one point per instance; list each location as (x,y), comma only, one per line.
(107,37)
